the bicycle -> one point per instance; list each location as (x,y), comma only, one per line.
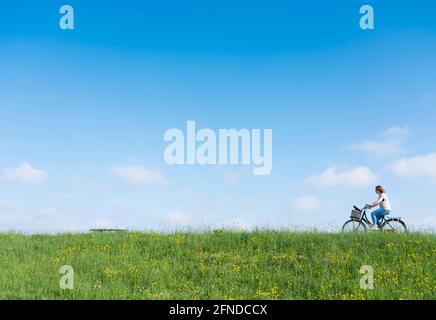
(360,222)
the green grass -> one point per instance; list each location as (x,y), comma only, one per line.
(218,265)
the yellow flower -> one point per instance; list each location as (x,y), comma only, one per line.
(110,272)
(268,294)
(351,296)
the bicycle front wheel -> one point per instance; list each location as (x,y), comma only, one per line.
(354,226)
(394,225)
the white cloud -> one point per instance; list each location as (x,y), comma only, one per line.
(397,132)
(47,213)
(306,203)
(390,144)
(115,201)
(355,177)
(47,210)
(235,176)
(417,166)
(25,173)
(177,217)
(6,204)
(138,175)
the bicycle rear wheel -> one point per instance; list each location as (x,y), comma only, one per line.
(394,225)
(354,226)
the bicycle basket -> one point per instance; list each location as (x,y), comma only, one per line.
(355,214)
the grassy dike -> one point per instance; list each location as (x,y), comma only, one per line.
(218,265)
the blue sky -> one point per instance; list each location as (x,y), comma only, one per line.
(83,112)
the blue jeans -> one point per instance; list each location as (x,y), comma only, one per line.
(378,214)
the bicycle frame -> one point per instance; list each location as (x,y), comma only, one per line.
(364,219)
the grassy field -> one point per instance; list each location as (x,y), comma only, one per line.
(218,265)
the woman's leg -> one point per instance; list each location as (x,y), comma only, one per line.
(376,215)
(381,215)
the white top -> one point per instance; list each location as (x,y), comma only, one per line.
(385,204)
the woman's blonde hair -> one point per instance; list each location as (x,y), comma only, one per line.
(380,189)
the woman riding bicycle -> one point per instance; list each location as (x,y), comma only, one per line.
(385,206)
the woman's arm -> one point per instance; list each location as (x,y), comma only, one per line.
(375,204)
